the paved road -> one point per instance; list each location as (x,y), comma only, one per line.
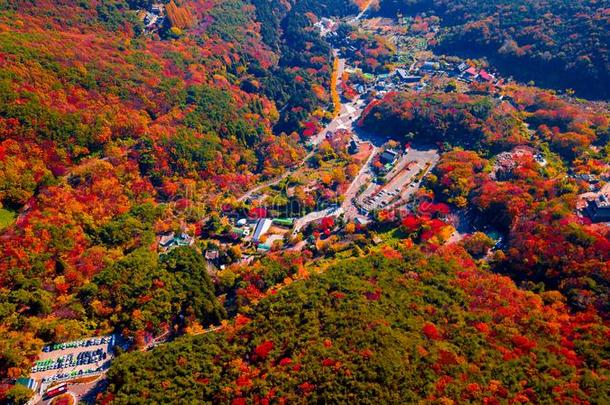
(83,393)
(340,69)
(210,330)
(348,115)
(87,393)
(274,181)
(364,175)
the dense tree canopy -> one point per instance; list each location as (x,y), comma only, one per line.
(145,293)
(390,327)
(473,122)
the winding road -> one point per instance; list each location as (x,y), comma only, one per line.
(348,114)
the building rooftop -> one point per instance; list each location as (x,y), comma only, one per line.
(262,226)
(389,156)
(485,76)
(599,208)
(166,239)
(170,240)
(471,71)
(603,201)
(212,254)
(402,73)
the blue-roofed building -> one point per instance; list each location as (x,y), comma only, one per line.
(389,156)
(27,382)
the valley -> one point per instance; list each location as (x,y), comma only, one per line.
(251,201)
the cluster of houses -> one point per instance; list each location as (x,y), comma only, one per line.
(259,233)
(463,71)
(326,26)
(383,83)
(154,17)
(403,78)
(254,234)
(598,209)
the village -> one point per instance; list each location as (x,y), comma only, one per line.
(270,218)
(411,66)
(388,174)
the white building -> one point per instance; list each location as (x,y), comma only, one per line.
(262,227)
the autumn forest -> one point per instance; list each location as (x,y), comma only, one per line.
(304,201)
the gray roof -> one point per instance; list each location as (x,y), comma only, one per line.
(262,226)
(402,73)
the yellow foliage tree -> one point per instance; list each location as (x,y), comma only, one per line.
(350,227)
(179,17)
(333,88)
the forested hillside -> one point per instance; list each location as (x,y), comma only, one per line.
(110,134)
(395,326)
(557,43)
(304,55)
(546,241)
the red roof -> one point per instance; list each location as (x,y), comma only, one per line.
(485,76)
(471,71)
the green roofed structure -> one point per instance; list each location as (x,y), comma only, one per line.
(283,221)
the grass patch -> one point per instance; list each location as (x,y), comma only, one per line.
(6,217)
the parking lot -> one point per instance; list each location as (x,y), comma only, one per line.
(402,180)
(75,359)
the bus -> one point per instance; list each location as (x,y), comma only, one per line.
(56,390)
